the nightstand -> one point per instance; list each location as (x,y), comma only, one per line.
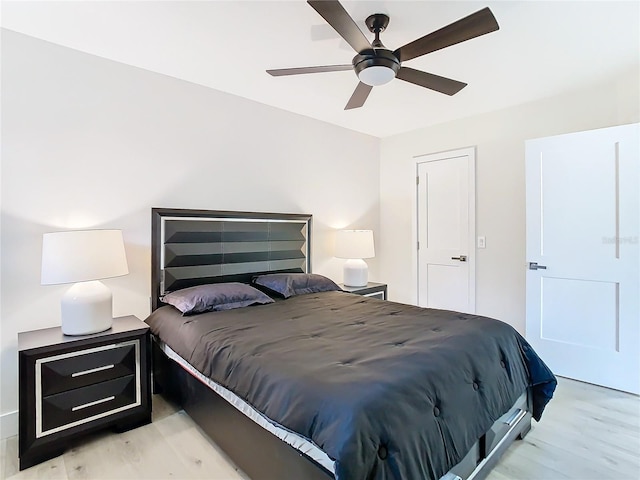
(70,386)
(375,290)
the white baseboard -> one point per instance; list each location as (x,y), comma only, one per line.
(8,425)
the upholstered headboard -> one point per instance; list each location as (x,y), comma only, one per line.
(195,247)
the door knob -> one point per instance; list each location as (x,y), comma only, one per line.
(535,266)
(462,258)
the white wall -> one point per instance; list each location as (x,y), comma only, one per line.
(500,186)
(89,142)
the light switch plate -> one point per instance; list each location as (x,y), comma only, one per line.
(482,242)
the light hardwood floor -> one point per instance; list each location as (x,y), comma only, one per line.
(586,433)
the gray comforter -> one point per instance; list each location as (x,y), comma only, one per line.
(387,390)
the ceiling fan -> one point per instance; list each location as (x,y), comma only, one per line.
(376,65)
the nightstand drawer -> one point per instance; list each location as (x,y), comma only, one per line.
(87,367)
(81,405)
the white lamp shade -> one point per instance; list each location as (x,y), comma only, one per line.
(82,255)
(354,244)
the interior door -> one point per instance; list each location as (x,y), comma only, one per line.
(582,232)
(446,229)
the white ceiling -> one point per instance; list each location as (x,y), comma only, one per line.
(541,49)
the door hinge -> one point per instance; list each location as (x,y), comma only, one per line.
(417,180)
(418,245)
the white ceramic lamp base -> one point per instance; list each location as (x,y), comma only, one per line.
(87,308)
(356,273)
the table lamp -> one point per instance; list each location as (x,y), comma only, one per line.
(354,245)
(83,257)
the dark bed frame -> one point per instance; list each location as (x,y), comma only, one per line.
(193,247)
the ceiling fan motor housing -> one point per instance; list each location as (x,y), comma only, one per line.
(379,65)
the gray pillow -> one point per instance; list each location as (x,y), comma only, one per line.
(215,297)
(290,284)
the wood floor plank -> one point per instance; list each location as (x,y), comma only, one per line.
(141,453)
(97,458)
(202,456)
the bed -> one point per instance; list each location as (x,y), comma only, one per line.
(329,384)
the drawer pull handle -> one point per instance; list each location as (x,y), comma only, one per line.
(92,370)
(515,417)
(91,404)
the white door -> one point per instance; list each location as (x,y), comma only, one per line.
(446,229)
(583,212)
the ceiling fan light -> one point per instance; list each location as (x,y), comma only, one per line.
(376,67)
(376,75)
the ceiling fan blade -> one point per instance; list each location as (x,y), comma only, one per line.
(279,72)
(430,81)
(336,16)
(359,96)
(473,26)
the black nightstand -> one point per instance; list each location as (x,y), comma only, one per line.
(70,386)
(375,290)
